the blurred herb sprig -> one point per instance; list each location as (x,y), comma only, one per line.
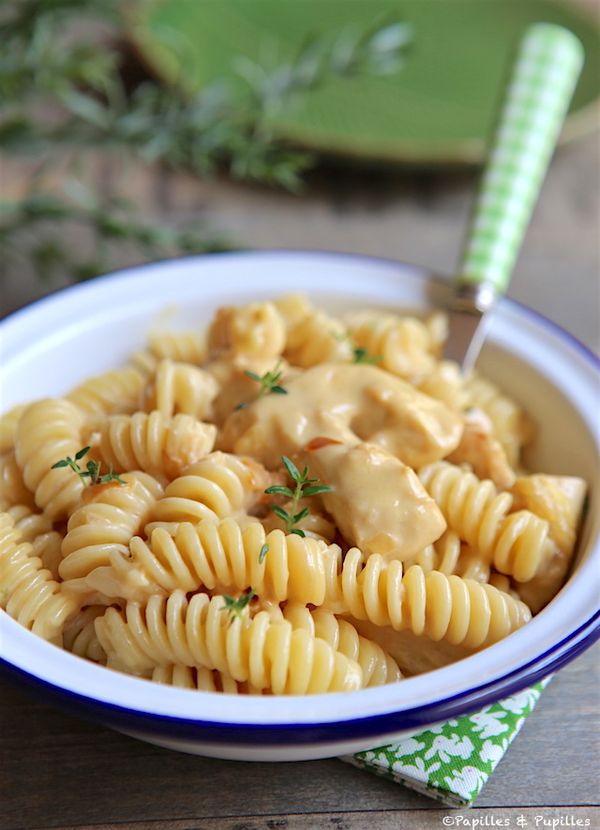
(62,95)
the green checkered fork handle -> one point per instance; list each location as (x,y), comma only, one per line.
(543,80)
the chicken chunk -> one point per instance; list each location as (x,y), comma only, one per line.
(377,502)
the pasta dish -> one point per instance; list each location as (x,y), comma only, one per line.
(287,503)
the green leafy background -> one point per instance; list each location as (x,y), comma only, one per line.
(440,107)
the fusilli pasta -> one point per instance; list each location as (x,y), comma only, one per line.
(204,680)
(47,431)
(115,391)
(152,442)
(178,388)
(223,556)
(451,556)
(318,338)
(219,485)
(107,523)
(514,542)
(27,590)
(185,346)
(365,514)
(80,637)
(403,345)
(13,490)
(377,666)
(462,611)
(511,426)
(8,427)
(268,654)
(254,330)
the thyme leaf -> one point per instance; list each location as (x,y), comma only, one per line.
(235,606)
(361,355)
(91,474)
(268,382)
(263,552)
(305,487)
(278,490)
(53,61)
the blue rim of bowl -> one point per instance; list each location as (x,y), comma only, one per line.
(322,732)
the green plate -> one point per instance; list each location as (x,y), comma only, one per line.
(438,109)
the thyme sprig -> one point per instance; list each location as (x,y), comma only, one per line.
(32,230)
(235,606)
(51,63)
(92,470)
(263,552)
(360,355)
(305,487)
(268,382)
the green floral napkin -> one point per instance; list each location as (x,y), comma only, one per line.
(452,761)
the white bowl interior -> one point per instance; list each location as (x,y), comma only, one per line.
(49,347)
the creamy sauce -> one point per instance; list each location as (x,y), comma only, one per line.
(347,403)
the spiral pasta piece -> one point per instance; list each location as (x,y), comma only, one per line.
(445,383)
(27,591)
(47,546)
(472,565)
(202,679)
(8,427)
(503,583)
(182,346)
(460,611)
(474,509)
(510,424)
(28,522)
(112,392)
(255,330)
(145,363)
(378,667)
(235,563)
(560,501)
(38,529)
(179,388)
(293,308)
(13,490)
(79,634)
(522,545)
(217,486)
(226,557)
(107,523)
(318,338)
(269,654)
(447,553)
(48,431)
(451,556)
(150,442)
(403,344)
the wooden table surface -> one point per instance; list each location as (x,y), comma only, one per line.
(57,771)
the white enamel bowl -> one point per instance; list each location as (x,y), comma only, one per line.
(55,343)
